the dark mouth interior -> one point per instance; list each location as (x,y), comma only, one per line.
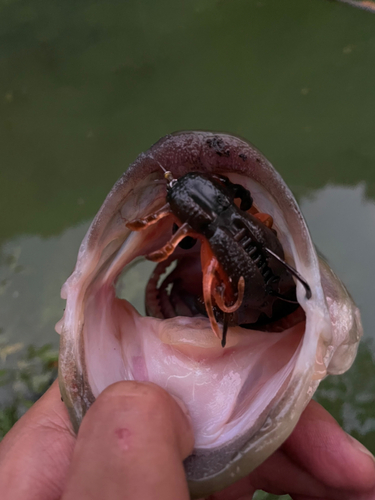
(173,288)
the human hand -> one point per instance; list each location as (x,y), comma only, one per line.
(132,442)
(130,445)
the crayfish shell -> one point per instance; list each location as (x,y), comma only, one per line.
(244,400)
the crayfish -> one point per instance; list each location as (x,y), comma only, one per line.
(243,264)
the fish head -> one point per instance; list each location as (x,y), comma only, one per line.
(244,400)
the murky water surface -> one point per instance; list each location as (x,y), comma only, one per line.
(85,87)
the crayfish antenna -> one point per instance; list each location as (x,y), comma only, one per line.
(292,271)
(167,173)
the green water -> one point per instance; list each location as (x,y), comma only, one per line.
(86,86)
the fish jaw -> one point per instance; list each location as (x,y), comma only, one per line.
(90,359)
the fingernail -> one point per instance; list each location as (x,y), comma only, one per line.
(360,447)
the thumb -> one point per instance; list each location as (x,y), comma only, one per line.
(130,445)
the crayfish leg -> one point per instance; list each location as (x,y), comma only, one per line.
(164,252)
(138,224)
(208,277)
(219,298)
(210,268)
(238,191)
(266,219)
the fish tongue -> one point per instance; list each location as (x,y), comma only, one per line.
(194,336)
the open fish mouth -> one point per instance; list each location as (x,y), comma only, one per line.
(244,399)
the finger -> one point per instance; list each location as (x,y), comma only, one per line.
(333,457)
(319,460)
(36,452)
(241,490)
(278,475)
(131,445)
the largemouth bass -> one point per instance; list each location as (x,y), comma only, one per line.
(244,399)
